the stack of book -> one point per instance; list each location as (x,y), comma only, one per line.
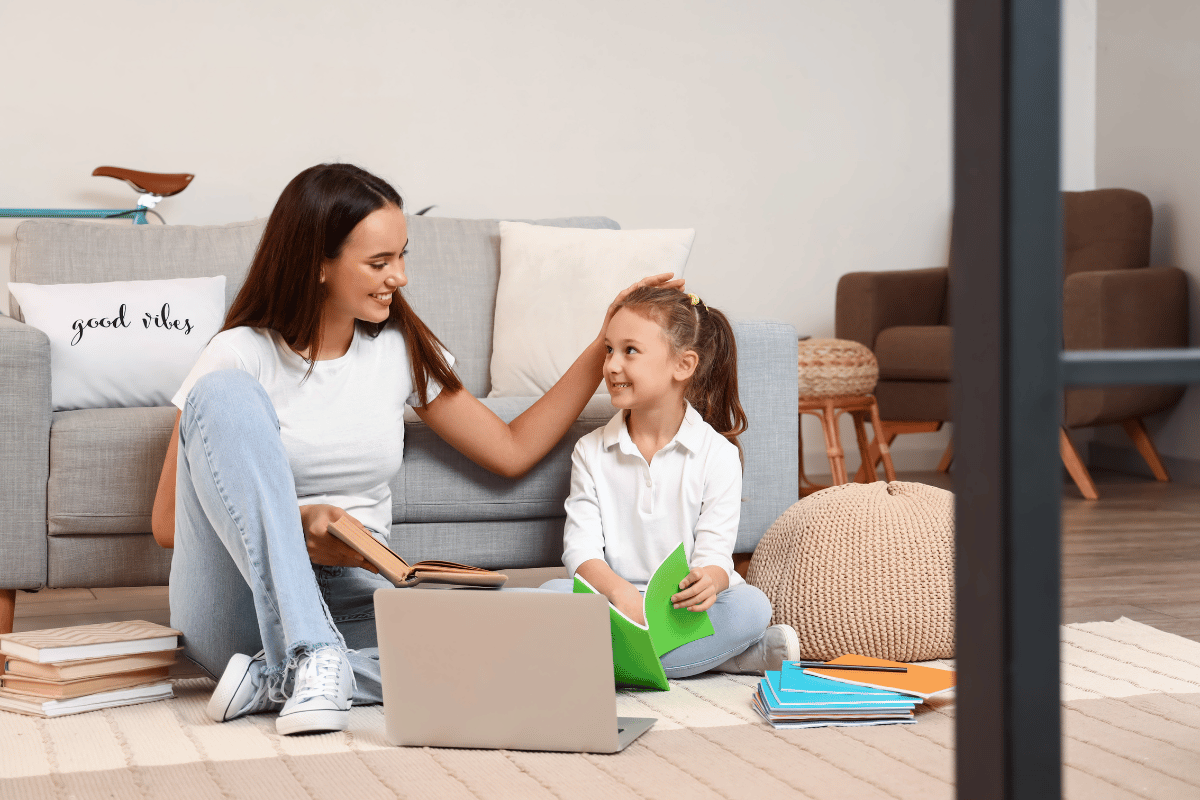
(57,671)
(851,690)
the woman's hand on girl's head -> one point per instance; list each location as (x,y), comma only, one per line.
(323,546)
(666,279)
(698,591)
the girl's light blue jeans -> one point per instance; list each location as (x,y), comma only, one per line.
(739,616)
(241,579)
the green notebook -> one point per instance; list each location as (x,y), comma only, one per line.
(637,648)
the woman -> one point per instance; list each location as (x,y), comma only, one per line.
(292,417)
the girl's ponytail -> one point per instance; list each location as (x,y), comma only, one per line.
(714,388)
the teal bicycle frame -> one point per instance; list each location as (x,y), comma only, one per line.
(137,214)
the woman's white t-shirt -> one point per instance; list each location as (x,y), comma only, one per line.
(343,426)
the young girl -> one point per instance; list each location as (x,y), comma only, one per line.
(293,417)
(667,469)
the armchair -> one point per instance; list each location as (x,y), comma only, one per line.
(1112,299)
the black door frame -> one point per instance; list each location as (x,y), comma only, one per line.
(1009,370)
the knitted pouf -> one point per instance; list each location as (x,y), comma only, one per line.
(836,368)
(865,569)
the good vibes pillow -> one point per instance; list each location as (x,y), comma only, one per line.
(122,343)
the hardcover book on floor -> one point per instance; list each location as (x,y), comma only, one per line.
(41,707)
(79,642)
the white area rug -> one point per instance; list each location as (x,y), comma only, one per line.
(1131,699)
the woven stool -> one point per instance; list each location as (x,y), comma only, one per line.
(837,377)
(864,569)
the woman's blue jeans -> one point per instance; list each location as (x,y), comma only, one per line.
(739,616)
(241,580)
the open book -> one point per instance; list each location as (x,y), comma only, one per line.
(637,648)
(398,571)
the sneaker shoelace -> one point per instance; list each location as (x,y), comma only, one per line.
(262,697)
(320,675)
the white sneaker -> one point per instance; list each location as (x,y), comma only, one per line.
(780,643)
(320,699)
(242,689)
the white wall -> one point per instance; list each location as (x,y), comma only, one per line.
(802,139)
(1079,95)
(1148,127)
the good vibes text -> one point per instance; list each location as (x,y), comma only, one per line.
(160,320)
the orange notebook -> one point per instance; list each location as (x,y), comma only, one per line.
(920,681)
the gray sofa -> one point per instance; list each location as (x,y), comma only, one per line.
(76,487)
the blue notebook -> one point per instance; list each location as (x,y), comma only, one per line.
(841,701)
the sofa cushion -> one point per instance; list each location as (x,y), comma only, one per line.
(914,401)
(914,353)
(453,271)
(439,484)
(104,468)
(121,559)
(72,251)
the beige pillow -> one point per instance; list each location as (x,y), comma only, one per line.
(555,286)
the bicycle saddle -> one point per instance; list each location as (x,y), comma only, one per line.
(161,184)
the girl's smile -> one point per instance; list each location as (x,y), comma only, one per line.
(639,363)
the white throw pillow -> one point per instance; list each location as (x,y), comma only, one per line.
(122,343)
(555,286)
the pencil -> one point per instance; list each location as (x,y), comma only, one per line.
(823,665)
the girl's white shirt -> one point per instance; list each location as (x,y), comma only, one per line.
(633,514)
(343,426)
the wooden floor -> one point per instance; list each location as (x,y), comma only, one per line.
(1135,553)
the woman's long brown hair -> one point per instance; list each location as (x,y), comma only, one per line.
(689,324)
(310,223)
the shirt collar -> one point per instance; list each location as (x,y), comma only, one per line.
(690,434)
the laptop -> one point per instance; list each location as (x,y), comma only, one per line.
(500,669)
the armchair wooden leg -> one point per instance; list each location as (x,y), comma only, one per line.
(1145,445)
(947,458)
(8,607)
(1075,466)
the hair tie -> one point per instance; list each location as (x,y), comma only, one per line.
(696,301)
